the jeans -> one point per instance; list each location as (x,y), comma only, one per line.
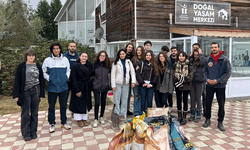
(129,95)
(162,98)
(195,94)
(137,101)
(29,114)
(121,97)
(146,97)
(179,99)
(52,97)
(100,96)
(220,95)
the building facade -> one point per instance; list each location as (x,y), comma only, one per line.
(181,23)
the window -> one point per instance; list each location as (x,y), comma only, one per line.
(71,13)
(80,9)
(62,30)
(240,57)
(90,10)
(90,33)
(81,31)
(206,42)
(98,2)
(63,17)
(103,7)
(71,30)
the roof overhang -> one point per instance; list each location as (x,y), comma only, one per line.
(211,32)
(62,10)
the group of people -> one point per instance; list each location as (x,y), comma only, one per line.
(137,70)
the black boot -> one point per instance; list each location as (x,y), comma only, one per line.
(207,123)
(221,127)
(179,116)
(184,120)
(192,116)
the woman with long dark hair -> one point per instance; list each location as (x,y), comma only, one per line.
(28,90)
(183,75)
(137,59)
(121,72)
(165,84)
(198,62)
(146,76)
(130,53)
(101,72)
(80,103)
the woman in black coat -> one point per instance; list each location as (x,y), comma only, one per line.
(80,102)
(101,73)
(28,91)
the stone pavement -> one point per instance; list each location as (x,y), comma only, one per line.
(237,135)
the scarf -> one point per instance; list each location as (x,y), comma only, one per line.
(181,68)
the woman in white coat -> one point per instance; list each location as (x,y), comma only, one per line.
(121,72)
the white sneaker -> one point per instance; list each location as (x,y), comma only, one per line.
(66,126)
(52,128)
(95,123)
(102,121)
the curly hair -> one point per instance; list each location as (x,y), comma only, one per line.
(107,60)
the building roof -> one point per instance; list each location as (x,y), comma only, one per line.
(211,32)
(62,10)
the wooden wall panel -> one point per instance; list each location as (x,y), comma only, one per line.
(120,22)
(153,16)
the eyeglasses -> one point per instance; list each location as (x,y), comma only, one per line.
(102,56)
(56,48)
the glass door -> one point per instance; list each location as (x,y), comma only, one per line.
(182,44)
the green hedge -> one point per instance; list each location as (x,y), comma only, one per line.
(11,58)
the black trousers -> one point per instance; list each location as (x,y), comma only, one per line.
(170,100)
(220,95)
(29,115)
(161,99)
(182,95)
(204,96)
(100,97)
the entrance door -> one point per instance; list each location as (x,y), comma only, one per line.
(182,44)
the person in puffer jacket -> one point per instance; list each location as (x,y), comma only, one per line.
(198,61)
(101,76)
(147,75)
(121,72)
(56,70)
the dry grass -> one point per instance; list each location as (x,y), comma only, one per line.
(8,105)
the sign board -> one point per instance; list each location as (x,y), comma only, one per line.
(202,13)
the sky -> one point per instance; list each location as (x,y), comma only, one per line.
(34,3)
